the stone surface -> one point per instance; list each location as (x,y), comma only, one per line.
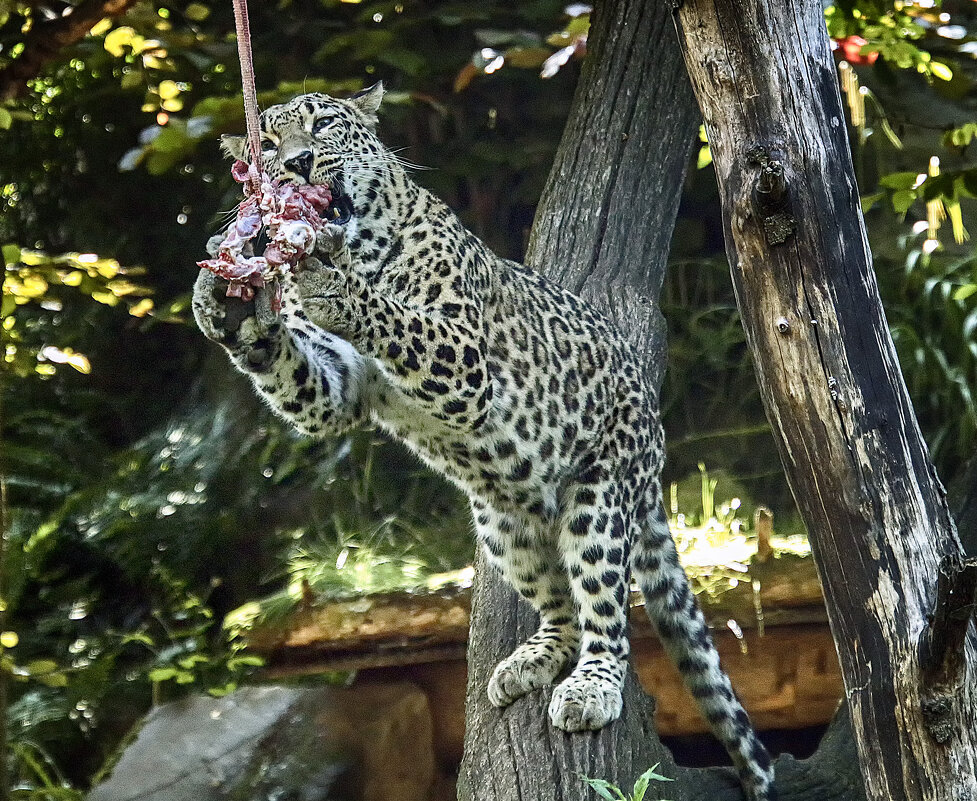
(362,743)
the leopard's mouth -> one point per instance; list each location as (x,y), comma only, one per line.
(340,209)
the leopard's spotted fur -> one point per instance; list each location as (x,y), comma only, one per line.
(516,390)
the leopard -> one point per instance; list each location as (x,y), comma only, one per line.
(517,391)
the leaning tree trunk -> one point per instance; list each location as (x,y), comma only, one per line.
(603,229)
(883,538)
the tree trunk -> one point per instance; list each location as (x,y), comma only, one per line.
(602,229)
(875,510)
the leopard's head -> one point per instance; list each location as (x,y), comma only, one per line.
(318,139)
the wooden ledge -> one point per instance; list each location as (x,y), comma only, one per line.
(770,629)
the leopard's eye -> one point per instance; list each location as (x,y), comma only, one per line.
(321,124)
(267,145)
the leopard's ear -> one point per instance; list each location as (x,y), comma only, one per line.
(368,100)
(235,146)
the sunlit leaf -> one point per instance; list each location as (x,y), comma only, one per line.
(101,27)
(197,12)
(53,679)
(38,666)
(168,89)
(941,70)
(116,41)
(142,308)
(162,674)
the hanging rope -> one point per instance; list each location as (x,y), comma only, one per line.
(250,95)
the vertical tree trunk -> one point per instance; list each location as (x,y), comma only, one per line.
(876,513)
(603,229)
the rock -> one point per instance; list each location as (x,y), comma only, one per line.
(361,743)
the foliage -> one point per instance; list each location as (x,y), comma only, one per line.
(612,792)
(35,280)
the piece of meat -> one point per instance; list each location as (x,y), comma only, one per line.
(292,216)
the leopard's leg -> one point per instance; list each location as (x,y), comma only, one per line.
(431,347)
(676,616)
(309,377)
(595,540)
(531,566)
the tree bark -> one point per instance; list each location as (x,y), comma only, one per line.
(876,512)
(602,229)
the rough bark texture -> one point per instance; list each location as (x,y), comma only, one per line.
(875,510)
(602,230)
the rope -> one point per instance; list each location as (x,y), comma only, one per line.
(250,95)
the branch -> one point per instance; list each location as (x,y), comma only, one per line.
(941,646)
(47,39)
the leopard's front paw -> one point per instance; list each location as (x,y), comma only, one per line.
(247,328)
(528,668)
(585,702)
(324,294)
(331,240)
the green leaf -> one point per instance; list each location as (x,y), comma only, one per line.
(53,679)
(902,200)
(238,662)
(604,789)
(11,254)
(938,186)
(970,182)
(162,674)
(964,292)
(140,637)
(705,157)
(38,666)
(941,70)
(899,180)
(196,12)
(6,119)
(870,200)
(652,774)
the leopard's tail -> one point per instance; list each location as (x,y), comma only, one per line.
(676,616)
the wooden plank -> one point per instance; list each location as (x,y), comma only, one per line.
(788,676)
(411,628)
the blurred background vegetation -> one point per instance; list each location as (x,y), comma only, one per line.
(149,495)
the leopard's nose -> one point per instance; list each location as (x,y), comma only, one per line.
(300,163)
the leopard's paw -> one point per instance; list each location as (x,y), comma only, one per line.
(247,328)
(585,701)
(331,240)
(323,292)
(214,245)
(528,668)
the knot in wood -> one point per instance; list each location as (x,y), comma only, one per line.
(771,187)
(783,326)
(938,717)
(770,195)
